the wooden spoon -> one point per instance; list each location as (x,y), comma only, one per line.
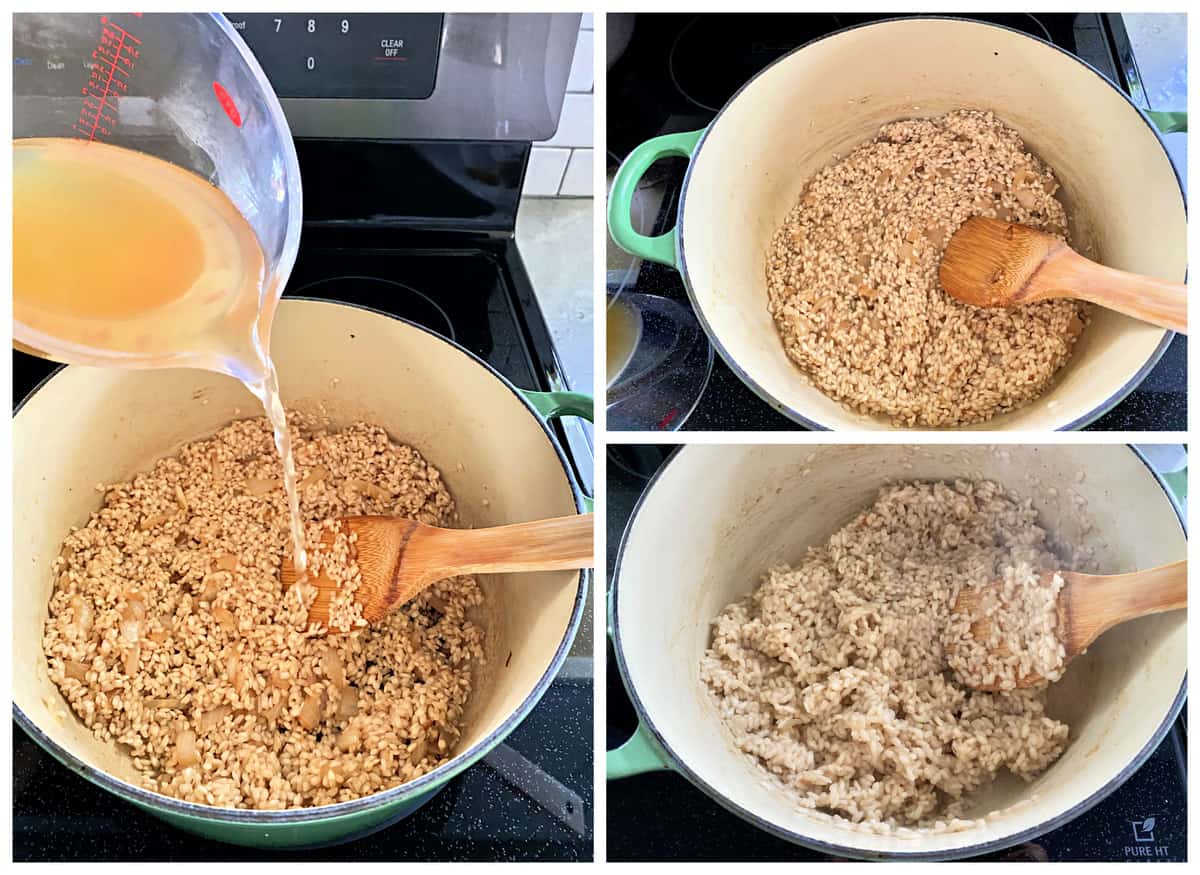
(1089,605)
(990,263)
(399,558)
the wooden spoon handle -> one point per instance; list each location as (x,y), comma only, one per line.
(543,545)
(1165,588)
(1152,300)
(1120,597)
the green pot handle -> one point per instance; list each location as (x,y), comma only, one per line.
(1168,122)
(620,199)
(553,404)
(635,757)
(1177,480)
(641,752)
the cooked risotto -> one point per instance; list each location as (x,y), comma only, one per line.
(832,675)
(170,636)
(852,275)
(1007,634)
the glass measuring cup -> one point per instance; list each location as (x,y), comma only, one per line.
(657,383)
(183,88)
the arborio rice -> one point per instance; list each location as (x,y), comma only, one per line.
(1009,632)
(832,674)
(336,561)
(170,637)
(852,275)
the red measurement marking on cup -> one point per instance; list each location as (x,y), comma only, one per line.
(113,61)
(227,104)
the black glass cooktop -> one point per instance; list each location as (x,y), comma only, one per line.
(661,816)
(666,81)
(468,294)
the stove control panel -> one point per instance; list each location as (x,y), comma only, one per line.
(360,55)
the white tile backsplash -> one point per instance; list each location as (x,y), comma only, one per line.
(575,123)
(581,67)
(577,181)
(562,165)
(543,176)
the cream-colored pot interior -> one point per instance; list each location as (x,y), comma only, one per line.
(89,426)
(833,95)
(718,516)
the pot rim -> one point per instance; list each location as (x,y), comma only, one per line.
(677,764)
(796,416)
(426,783)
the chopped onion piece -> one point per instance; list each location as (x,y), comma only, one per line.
(314,476)
(214,716)
(185,748)
(310,711)
(258,487)
(331,664)
(224,617)
(362,487)
(153,522)
(82,614)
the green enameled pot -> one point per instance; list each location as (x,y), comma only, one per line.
(493,443)
(747,508)
(748,167)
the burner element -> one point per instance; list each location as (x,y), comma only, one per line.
(391,297)
(715,55)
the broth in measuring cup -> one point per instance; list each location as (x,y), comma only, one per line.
(121,258)
(622,328)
